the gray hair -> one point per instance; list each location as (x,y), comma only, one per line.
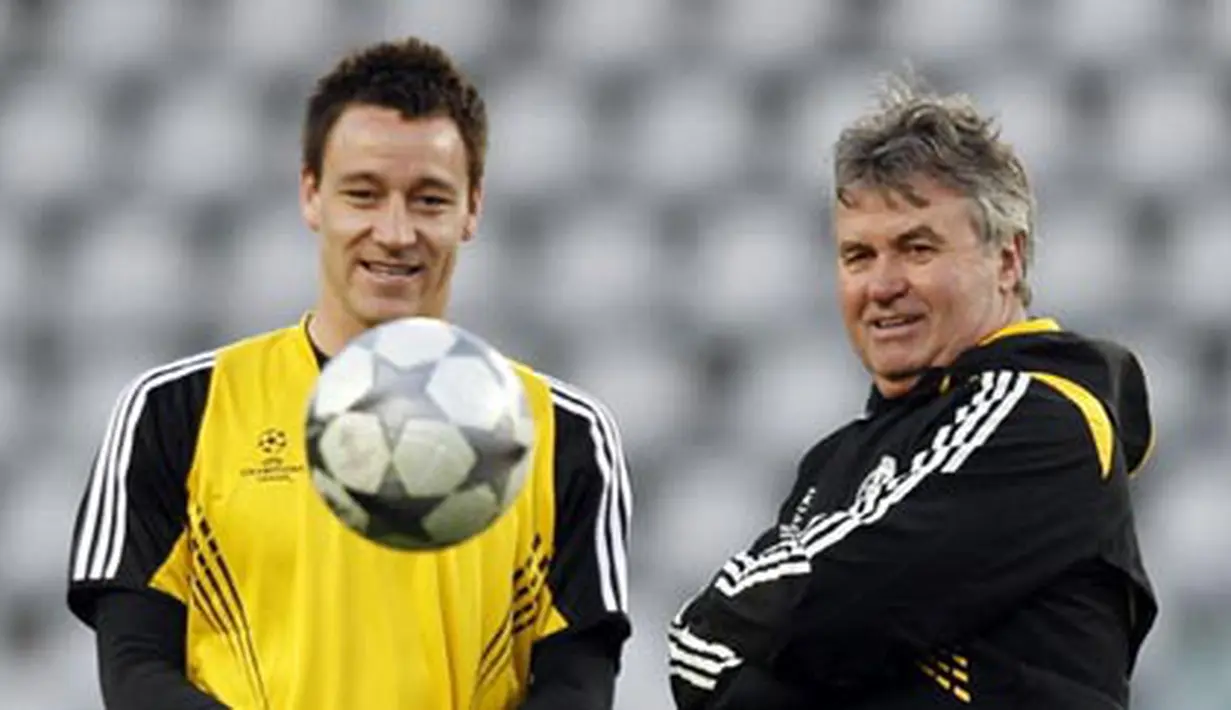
(917,133)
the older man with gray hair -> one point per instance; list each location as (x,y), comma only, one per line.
(969,542)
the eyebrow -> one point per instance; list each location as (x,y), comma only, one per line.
(427,182)
(921,231)
(434,183)
(362,176)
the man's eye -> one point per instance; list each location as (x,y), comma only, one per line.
(360,195)
(433,201)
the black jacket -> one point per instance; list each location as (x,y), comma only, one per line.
(968,545)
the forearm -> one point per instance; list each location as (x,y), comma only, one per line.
(573,672)
(140,639)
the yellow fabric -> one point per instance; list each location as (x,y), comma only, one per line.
(1092,410)
(170,578)
(1145,458)
(289,609)
(1025,327)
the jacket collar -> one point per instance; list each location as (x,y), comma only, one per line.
(936,380)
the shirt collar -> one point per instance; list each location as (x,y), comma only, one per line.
(936,381)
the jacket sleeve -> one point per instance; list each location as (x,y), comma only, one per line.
(573,670)
(140,640)
(1007,491)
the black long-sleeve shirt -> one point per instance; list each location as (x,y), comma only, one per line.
(968,545)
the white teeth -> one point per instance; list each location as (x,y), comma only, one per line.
(892,322)
(390,269)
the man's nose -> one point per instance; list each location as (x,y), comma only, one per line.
(887,281)
(395,229)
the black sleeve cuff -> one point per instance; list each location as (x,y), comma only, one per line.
(576,670)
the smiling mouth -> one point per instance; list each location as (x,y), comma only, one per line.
(386,269)
(890,324)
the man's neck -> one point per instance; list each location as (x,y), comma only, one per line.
(331,331)
(1015,313)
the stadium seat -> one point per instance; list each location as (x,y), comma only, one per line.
(792,390)
(1189,549)
(608,35)
(947,29)
(820,109)
(1083,256)
(760,267)
(200,139)
(273,271)
(1218,27)
(9,24)
(263,36)
(486,278)
(1171,128)
(652,389)
(131,276)
(541,136)
(1030,108)
(14,392)
(772,34)
(1106,30)
(602,266)
(94,40)
(1197,283)
(720,489)
(17,264)
(1167,360)
(690,133)
(466,27)
(36,507)
(50,138)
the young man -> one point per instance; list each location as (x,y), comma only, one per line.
(969,542)
(210,587)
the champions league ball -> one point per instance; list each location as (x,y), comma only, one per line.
(419,434)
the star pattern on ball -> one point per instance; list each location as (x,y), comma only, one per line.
(467,347)
(393,516)
(497,453)
(399,395)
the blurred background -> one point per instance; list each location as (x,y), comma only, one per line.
(656,231)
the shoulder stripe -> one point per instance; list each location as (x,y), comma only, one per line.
(1092,410)
(615,501)
(974,423)
(101,540)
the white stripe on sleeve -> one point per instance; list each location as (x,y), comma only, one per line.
(615,501)
(100,543)
(974,423)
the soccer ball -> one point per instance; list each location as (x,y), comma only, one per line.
(419,434)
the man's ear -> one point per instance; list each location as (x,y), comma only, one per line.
(310,199)
(1013,261)
(476,211)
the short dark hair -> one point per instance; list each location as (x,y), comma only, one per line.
(415,77)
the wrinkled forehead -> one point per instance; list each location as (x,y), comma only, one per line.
(869,211)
